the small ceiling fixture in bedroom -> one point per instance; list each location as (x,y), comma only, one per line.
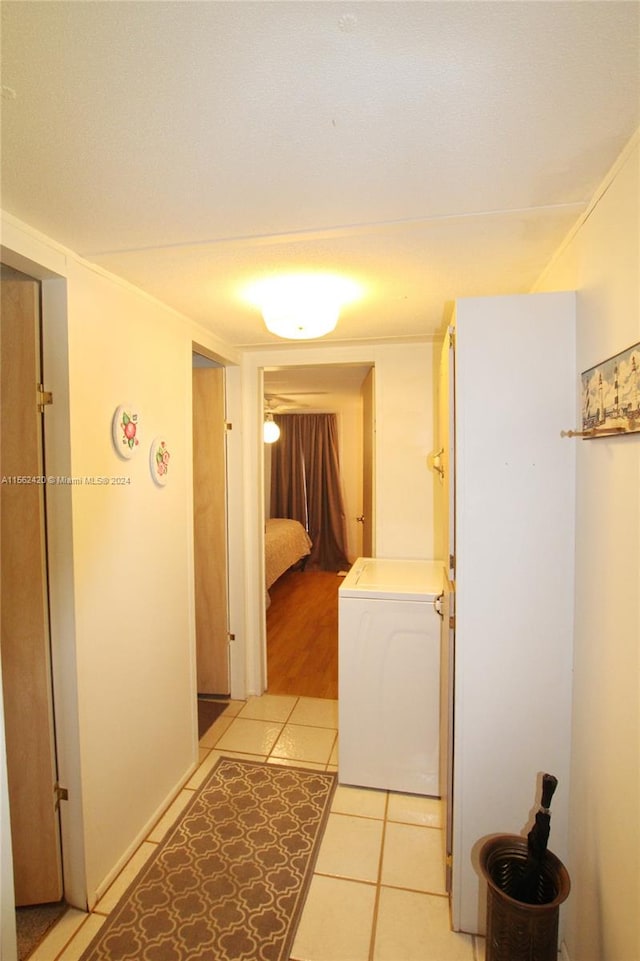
(302,306)
(270,429)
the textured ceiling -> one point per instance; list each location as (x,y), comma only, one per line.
(427,150)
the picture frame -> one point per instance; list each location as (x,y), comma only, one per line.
(611,395)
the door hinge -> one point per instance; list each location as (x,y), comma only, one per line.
(452,562)
(231,637)
(452,622)
(452,338)
(61,794)
(228,425)
(43,398)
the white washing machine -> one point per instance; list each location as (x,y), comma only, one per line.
(389,675)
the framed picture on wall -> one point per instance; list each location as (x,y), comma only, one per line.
(611,395)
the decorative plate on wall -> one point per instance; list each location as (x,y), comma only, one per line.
(125,429)
(159,458)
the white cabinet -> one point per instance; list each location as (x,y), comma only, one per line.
(515,390)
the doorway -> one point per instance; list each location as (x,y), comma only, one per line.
(210,527)
(24,607)
(305,603)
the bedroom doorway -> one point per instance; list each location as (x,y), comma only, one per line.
(210,526)
(304,603)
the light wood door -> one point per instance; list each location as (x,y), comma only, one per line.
(26,662)
(210,530)
(368,437)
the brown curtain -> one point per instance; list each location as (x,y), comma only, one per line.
(306,485)
(288,487)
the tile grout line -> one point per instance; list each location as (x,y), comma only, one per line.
(283,724)
(376,903)
(69,940)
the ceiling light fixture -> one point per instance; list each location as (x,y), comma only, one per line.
(270,430)
(301,322)
(302,306)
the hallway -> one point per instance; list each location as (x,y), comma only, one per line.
(377,893)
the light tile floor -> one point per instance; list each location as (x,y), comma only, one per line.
(377,893)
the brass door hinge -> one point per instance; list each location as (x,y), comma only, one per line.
(231,637)
(452,622)
(43,398)
(452,562)
(61,794)
(228,425)
(452,338)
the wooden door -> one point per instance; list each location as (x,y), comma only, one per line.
(210,530)
(368,438)
(24,628)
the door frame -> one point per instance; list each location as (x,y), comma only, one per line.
(262,493)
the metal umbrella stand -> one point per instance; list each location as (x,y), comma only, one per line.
(526,884)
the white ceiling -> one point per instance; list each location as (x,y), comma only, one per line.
(312,389)
(428,150)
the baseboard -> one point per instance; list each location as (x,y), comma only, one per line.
(94,896)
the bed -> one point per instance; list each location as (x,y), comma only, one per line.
(285,543)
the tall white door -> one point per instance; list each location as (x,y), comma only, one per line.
(515,392)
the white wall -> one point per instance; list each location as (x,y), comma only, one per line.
(404,411)
(131,546)
(404,402)
(601,261)
(121,556)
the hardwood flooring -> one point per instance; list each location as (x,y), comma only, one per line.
(302,634)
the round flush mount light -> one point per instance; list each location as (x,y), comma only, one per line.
(301,322)
(302,306)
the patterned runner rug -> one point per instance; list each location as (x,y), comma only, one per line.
(228,882)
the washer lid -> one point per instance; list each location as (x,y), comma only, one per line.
(375,577)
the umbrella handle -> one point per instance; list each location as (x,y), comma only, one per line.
(549,784)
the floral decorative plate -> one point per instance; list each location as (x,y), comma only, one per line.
(159,458)
(125,430)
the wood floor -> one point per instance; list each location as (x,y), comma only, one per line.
(302,634)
